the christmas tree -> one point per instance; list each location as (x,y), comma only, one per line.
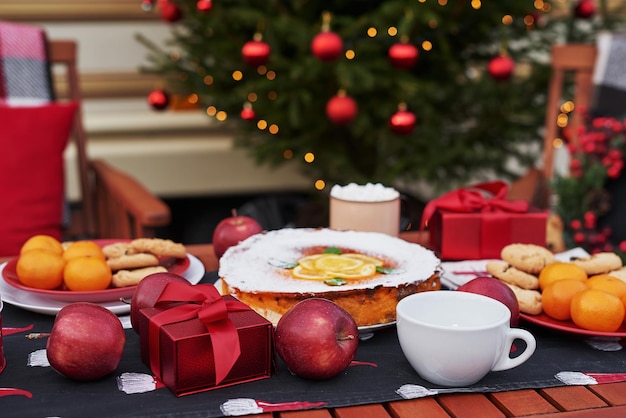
(389,91)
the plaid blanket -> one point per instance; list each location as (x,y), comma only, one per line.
(24,71)
(609,77)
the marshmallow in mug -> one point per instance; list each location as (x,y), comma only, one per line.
(369,192)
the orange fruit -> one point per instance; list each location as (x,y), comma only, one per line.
(597,310)
(42,242)
(83,249)
(40,269)
(624,302)
(557,297)
(87,273)
(607,283)
(559,271)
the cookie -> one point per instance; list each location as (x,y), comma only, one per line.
(133,261)
(125,278)
(511,275)
(599,263)
(115,250)
(530,258)
(158,247)
(529,300)
(619,273)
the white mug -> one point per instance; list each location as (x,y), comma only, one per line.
(369,208)
(455,338)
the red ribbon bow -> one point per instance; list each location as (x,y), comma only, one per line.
(205,303)
(481,197)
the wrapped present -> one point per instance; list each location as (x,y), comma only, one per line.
(207,342)
(476,222)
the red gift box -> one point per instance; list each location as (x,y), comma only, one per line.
(477,222)
(207,343)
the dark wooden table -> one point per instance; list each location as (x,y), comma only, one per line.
(606,400)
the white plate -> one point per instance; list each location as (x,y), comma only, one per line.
(43,305)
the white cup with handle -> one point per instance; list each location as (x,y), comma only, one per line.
(455,338)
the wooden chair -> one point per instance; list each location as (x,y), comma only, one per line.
(114,205)
(573,63)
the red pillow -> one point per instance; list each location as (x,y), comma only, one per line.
(32,181)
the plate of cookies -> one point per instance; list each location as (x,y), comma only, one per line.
(129,260)
(520,268)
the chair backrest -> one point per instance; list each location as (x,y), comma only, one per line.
(63,53)
(576,60)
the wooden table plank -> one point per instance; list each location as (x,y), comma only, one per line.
(417,408)
(612,393)
(615,412)
(522,402)
(311,413)
(572,398)
(362,411)
(470,405)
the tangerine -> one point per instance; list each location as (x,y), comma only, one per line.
(87,274)
(83,249)
(556,299)
(608,284)
(40,269)
(596,310)
(559,271)
(42,242)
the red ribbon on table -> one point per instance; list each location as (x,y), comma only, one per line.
(481,197)
(205,303)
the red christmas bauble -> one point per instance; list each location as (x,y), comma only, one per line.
(501,68)
(585,9)
(402,122)
(327,46)
(158,99)
(256,53)
(403,55)
(204,5)
(170,12)
(248,113)
(341,109)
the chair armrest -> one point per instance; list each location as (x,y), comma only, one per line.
(125,208)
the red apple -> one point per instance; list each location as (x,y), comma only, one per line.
(317,339)
(147,292)
(495,289)
(231,231)
(86,342)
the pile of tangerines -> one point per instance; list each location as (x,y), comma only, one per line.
(595,303)
(45,263)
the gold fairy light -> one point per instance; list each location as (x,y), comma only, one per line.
(208,80)
(272,95)
(372,32)
(261,124)
(211,110)
(507,20)
(309,157)
(443,2)
(320,184)
(557,143)
(350,54)
(427,45)
(237,75)
(252,97)
(261,69)
(562,120)
(287,154)
(193,98)
(271,75)
(221,116)
(273,129)
(392,31)
(567,107)
(476,4)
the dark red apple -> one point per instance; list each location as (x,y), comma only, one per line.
(147,292)
(317,339)
(230,231)
(495,289)
(86,342)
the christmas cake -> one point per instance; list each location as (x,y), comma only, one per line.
(366,273)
